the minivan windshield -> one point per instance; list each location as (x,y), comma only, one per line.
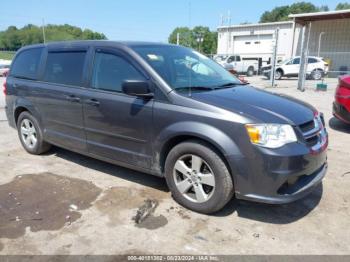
(183,68)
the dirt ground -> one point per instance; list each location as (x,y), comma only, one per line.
(65,203)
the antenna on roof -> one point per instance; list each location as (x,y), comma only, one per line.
(43,26)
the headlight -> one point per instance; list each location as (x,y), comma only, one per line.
(271,135)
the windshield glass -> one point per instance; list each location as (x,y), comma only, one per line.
(183,68)
(285,61)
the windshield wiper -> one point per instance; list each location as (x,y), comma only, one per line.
(204,88)
(231,84)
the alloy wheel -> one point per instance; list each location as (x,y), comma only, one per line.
(194,178)
(28,133)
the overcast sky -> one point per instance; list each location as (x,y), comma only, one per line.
(149,20)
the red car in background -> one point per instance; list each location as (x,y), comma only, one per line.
(341,105)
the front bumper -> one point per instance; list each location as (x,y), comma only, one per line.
(304,186)
(281,175)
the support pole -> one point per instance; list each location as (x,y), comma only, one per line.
(274,58)
(304,56)
(293,40)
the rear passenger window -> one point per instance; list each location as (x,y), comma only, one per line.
(296,61)
(110,71)
(27,63)
(65,67)
(312,60)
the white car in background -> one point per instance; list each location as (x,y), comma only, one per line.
(239,64)
(316,68)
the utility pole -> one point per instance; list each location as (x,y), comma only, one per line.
(43,26)
(228,42)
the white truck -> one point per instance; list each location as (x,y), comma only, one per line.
(240,64)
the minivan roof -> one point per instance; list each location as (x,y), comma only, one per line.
(66,44)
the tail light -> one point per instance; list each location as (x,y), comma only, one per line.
(5,88)
(342,93)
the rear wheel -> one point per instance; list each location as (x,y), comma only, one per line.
(197,177)
(30,134)
(317,74)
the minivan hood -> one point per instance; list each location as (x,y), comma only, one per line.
(258,104)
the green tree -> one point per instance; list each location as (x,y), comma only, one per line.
(281,13)
(191,38)
(13,38)
(185,36)
(342,6)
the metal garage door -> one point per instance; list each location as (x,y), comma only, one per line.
(252,44)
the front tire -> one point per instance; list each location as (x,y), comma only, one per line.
(278,74)
(30,134)
(250,71)
(197,177)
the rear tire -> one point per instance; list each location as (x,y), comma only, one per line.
(317,74)
(30,134)
(197,177)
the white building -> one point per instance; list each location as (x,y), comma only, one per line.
(256,40)
(325,34)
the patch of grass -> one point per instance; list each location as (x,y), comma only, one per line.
(7,55)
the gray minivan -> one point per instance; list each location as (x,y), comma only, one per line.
(169,111)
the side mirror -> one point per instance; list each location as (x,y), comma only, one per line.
(137,88)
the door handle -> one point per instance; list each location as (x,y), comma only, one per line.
(93,102)
(73,98)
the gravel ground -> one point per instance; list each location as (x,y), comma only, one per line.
(65,203)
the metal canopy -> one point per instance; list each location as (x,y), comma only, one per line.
(303,19)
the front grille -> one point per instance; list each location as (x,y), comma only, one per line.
(311,141)
(308,126)
(311,131)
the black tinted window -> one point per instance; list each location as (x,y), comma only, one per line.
(312,60)
(110,71)
(27,63)
(231,59)
(296,61)
(65,68)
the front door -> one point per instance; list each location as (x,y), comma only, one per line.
(118,126)
(292,67)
